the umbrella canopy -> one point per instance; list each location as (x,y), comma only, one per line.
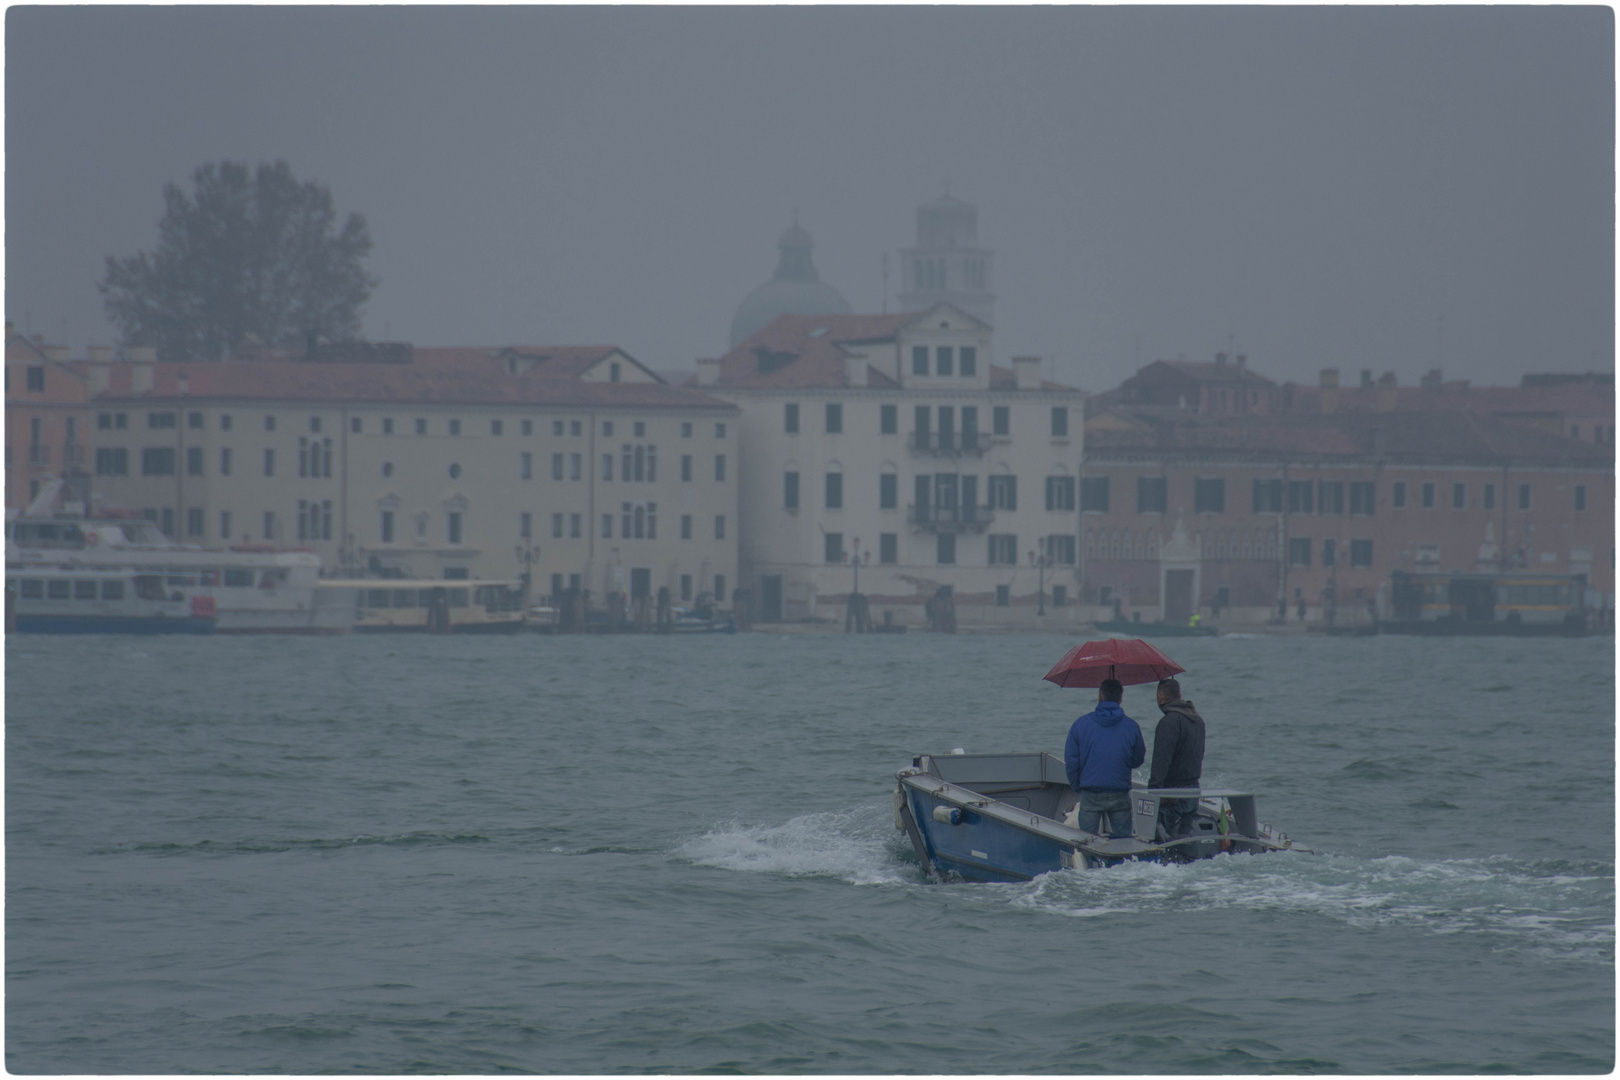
(1130,660)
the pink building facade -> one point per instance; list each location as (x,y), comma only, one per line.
(1245,519)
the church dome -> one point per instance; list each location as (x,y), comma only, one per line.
(795,289)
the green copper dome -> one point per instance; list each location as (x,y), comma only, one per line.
(795,289)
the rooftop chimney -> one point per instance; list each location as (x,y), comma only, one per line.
(1431,382)
(1027,372)
(1366,379)
(854,369)
(142,354)
(100,370)
(140,377)
(1220,359)
(1329,398)
(1240,359)
(1386,392)
(708,370)
(184,382)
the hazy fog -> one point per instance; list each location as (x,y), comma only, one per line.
(1384,188)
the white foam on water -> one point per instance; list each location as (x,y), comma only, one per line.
(1519,902)
(842,844)
(1544,905)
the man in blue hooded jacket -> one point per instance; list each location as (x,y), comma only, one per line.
(1103,747)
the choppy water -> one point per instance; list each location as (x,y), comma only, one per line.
(665,855)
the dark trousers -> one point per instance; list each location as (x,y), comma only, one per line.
(1177,816)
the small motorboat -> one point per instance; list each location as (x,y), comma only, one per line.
(1001,817)
(701,621)
(1010,817)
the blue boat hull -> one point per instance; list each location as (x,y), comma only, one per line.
(1011,817)
(981,848)
(94,624)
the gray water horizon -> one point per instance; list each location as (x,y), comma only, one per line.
(669,855)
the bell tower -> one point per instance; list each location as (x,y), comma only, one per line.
(947,265)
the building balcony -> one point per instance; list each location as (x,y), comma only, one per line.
(950,519)
(949,443)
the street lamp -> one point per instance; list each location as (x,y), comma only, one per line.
(1039,562)
(527,553)
(855,559)
(855,614)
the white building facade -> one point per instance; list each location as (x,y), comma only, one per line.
(894,442)
(598,478)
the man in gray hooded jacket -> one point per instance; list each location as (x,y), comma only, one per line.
(1178,756)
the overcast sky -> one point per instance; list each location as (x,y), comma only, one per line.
(1384,188)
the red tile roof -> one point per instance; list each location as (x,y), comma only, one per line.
(385,383)
(554,361)
(806,361)
(1201,371)
(1566,399)
(1432,437)
(811,359)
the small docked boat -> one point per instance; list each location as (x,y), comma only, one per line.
(406,605)
(92,601)
(1514,604)
(701,621)
(1011,817)
(1001,817)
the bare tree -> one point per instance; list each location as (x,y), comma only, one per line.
(251,253)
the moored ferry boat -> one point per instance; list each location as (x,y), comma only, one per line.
(82,601)
(1514,604)
(469,606)
(255,589)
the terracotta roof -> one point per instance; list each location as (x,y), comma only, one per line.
(1443,437)
(384,383)
(554,361)
(1556,400)
(784,355)
(807,351)
(1201,371)
(1566,399)
(19,349)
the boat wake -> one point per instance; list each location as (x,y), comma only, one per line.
(1562,907)
(853,845)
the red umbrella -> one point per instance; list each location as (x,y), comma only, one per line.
(1130,660)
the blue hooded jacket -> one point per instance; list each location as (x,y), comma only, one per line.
(1104,746)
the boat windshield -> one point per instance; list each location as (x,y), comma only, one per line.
(48,534)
